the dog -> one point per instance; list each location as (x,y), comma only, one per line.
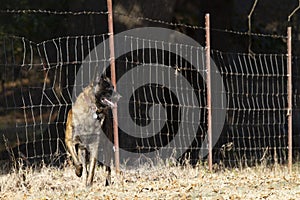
(91,116)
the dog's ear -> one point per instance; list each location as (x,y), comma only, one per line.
(106,74)
(103,76)
(95,80)
(98,77)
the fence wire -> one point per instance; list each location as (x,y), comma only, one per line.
(38,79)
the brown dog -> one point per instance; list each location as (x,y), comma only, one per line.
(90,119)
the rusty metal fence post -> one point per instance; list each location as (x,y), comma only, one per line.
(208,86)
(113,80)
(289,88)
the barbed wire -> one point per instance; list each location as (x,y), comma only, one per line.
(39,11)
(250,34)
(138,18)
(200,27)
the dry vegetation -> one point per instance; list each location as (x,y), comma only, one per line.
(163,181)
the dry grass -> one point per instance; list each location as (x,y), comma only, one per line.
(159,182)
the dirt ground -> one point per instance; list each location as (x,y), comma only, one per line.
(153,182)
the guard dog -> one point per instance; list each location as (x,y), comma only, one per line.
(90,119)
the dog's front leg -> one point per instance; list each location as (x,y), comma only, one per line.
(108,177)
(72,150)
(82,153)
(92,166)
(77,163)
(93,161)
(107,163)
(71,145)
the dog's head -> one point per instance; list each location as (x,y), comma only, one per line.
(105,94)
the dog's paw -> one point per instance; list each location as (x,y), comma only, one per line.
(107,182)
(78,170)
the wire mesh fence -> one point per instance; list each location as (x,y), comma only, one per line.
(38,81)
(256,87)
